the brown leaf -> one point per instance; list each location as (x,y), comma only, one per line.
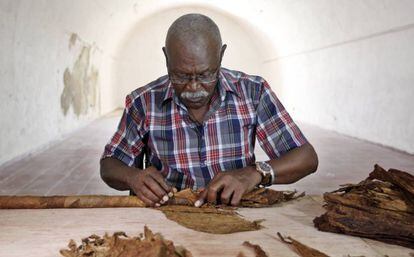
(119,244)
(379,207)
(301,249)
(257,249)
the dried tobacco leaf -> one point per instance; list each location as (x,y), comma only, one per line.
(380,207)
(223,220)
(256,248)
(119,244)
(209,219)
(260,197)
(264,197)
(184,197)
(402,179)
(301,249)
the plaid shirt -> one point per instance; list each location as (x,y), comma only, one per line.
(189,154)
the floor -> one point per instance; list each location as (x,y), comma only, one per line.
(71,166)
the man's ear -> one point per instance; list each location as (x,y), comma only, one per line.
(223,48)
(166,56)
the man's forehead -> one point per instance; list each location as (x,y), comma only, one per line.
(192,43)
(192,54)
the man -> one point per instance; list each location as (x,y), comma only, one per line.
(201,121)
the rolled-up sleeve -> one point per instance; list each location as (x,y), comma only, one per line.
(126,144)
(276,132)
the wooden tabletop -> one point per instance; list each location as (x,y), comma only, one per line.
(43,232)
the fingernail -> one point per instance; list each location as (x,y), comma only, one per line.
(157,205)
(198,203)
(170,194)
(165,198)
(174,190)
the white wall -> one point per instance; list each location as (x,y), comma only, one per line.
(342,65)
(38,47)
(146,39)
(348,66)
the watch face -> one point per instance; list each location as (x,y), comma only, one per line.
(265,166)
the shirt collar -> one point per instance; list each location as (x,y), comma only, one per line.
(226,84)
(169,93)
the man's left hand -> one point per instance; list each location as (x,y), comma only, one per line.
(229,186)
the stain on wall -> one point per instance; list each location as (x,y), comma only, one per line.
(80,85)
(72,40)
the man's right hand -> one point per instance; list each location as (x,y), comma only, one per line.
(149,185)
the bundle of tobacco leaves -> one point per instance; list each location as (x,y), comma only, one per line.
(264,197)
(259,197)
(119,244)
(380,207)
(220,219)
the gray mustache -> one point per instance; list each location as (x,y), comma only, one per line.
(191,95)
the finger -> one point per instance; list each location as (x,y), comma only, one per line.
(149,194)
(201,198)
(237,195)
(226,195)
(213,190)
(155,188)
(147,201)
(161,180)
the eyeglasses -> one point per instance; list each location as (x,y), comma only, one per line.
(205,78)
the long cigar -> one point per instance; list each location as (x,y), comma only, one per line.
(75,201)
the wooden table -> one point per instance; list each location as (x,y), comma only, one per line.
(44,232)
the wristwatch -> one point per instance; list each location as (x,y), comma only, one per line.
(267,172)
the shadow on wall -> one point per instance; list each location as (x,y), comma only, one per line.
(81,84)
(140,57)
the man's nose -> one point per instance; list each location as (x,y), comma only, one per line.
(193,85)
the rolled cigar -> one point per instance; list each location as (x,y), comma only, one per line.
(75,201)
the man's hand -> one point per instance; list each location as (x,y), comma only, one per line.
(229,186)
(149,186)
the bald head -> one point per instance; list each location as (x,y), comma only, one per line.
(195,28)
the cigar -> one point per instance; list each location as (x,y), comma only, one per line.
(75,201)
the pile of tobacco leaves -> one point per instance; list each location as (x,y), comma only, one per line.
(380,207)
(119,244)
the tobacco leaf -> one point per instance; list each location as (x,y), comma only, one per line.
(209,219)
(264,197)
(402,179)
(220,219)
(379,207)
(256,248)
(120,245)
(301,249)
(184,197)
(259,197)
